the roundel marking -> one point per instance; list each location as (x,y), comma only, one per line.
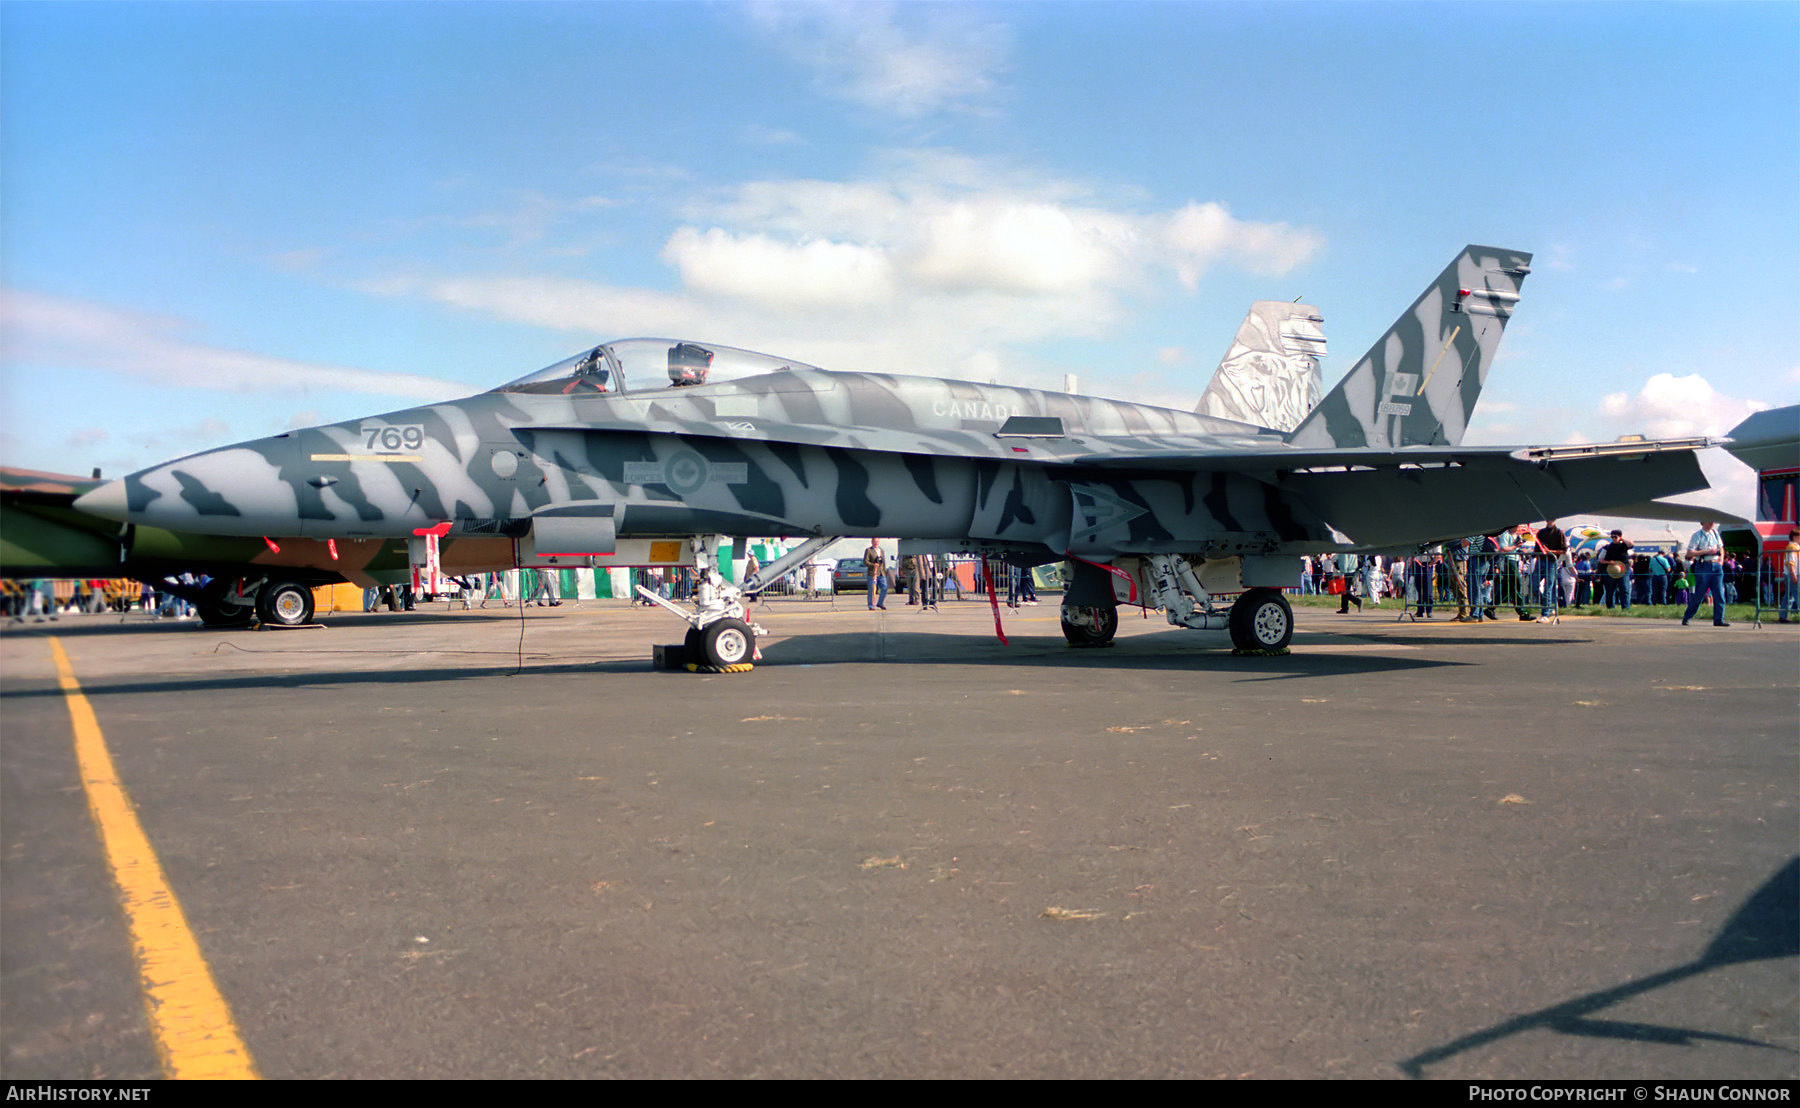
(685,473)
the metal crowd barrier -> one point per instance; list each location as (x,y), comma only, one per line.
(1489,585)
(1775,591)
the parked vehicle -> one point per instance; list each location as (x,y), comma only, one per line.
(850,576)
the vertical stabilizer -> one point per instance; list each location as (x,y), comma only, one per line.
(1418,384)
(1270,375)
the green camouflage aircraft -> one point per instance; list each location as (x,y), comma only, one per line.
(42,534)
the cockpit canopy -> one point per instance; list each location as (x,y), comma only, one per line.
(640,365)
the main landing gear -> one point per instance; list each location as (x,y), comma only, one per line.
(284,603)
(227,603)
(1260,621)
(223,613)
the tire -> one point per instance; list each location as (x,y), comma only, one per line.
(1262,619)
(285,604)
(1085,626)
(727,642)
(219,614)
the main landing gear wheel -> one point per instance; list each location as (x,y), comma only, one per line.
(727,642)
(285,603)
(1262,621)
(223,614)
(1089,626)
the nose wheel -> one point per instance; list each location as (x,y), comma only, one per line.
(726,642)
(1085,626)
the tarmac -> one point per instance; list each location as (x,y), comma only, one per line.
(500,844)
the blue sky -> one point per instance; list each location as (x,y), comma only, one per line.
(218,221)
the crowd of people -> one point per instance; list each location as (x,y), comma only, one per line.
(46,599)
(1533,572)
(925,577)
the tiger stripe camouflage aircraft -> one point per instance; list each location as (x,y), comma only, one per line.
(237,580)
(632,444)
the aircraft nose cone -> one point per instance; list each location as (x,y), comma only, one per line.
(237,490)
(108,501)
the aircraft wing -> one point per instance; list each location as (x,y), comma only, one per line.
(1381,497)
(30,486)
(1196,455)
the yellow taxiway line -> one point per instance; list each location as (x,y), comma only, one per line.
(194,1030)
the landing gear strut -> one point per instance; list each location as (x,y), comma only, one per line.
(220,604)
(1260,620)
(719,637)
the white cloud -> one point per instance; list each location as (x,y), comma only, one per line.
(946,265)
(1559,257)
(582,307)
(1200,235)
(756,134)
(906,60)
(1668,406)
(938,263)
(759,268)
(54,332)
(950,223)
(1672,407)
(1013,245)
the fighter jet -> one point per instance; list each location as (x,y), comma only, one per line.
(638,444)
(1269,375)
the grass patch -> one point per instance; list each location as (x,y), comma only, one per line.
(1733,612)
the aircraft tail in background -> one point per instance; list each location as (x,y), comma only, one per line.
(1418,384)
(1270,375)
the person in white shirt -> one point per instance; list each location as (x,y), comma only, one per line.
(1707,552)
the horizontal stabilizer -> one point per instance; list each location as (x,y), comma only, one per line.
(1768,440)
(1673,512)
